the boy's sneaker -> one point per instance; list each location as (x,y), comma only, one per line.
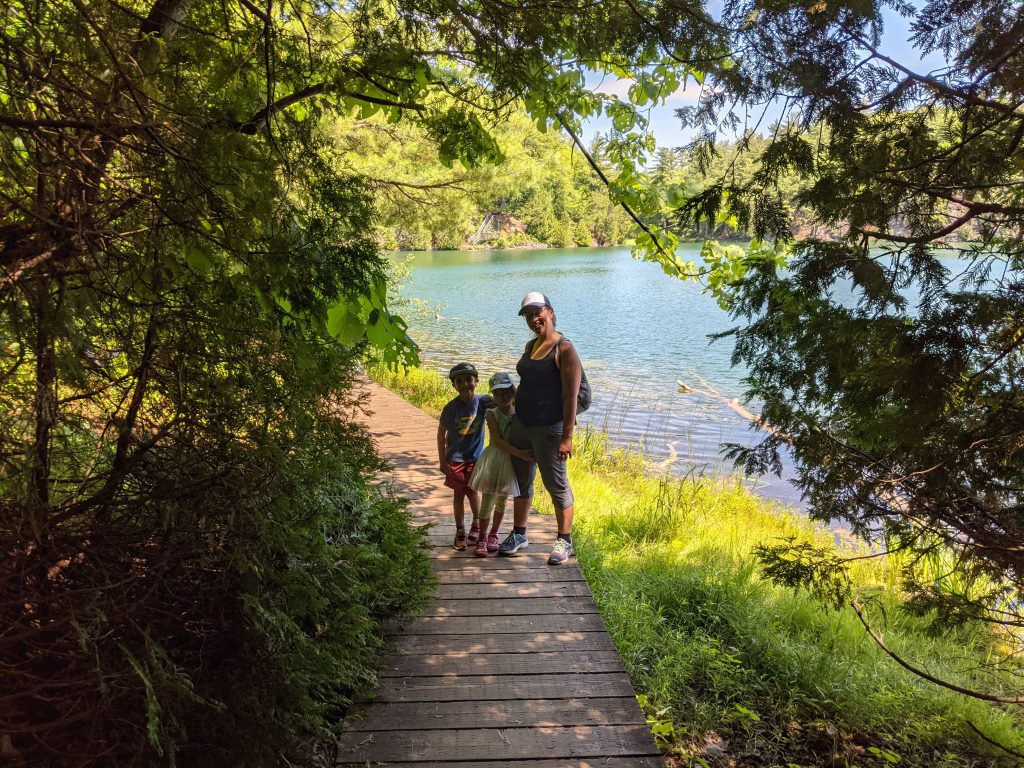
(561,552)
(481,547)
(460,541)
(492,543)
(512,544)
(474,534)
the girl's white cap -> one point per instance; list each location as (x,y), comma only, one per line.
(500,380)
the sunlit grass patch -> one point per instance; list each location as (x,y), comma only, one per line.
(771,672)
(424,388)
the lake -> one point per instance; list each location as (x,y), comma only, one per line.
(638,331)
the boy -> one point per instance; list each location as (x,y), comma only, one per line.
(460,441)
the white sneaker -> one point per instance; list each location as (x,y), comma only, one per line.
(561,552)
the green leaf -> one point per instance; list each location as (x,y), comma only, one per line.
(198,259)
(344,323)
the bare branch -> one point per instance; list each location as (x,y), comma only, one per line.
(937,85)
(921,673)
(258,121)
(993,742)
(109,127)
(600,174)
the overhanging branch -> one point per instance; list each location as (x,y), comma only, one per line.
(921,673)
(258,121)
(600,174)
(937,85)
(111,127)
(927,237)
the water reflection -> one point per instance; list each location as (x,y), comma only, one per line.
(638,331)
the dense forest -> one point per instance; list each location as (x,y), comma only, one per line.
(542,193)
(545,191)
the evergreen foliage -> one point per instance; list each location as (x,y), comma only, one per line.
(891,370)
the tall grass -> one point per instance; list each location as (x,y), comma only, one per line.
(734,670)
(427,390)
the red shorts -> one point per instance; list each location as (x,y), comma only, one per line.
(458,474)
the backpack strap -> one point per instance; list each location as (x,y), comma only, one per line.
(559,346)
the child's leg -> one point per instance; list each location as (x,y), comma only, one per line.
(474,529)
(487,501)
(486,505)
(498,506)
(459,508)
(499,513)
(474,504)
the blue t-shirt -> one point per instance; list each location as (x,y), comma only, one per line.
(464,424)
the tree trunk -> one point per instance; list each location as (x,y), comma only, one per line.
(45,310)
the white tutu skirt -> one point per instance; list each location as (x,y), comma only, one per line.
(494,473)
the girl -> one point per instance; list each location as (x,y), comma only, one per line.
(493,477)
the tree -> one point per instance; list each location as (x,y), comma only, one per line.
(891,371)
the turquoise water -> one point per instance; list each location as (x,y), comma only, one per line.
(639,333)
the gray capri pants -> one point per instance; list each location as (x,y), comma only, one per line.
(543,441)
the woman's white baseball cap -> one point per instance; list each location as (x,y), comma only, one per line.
(533,300)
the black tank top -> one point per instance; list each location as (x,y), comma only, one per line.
(539,397)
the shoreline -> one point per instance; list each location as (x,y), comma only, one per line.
(678,432)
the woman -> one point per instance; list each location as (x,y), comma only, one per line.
(549,382)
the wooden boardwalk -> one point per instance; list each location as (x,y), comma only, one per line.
(511,665)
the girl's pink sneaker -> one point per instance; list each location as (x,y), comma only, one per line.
(492,543)
(481,547)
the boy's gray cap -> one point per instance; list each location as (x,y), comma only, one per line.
(533,300)
(500,380)
(460,368)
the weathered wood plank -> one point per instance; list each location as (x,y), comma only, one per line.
(523,606)
(502,574)
(501,744)
(502,590)
(534,557)
(543,713)
(507,643)
(485,687)
(644,761)
(468,663)
(540,534)
(464,625)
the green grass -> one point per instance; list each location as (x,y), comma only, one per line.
(734,670)
(427,390)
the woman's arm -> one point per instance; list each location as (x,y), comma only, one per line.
(571,369)
(500,443)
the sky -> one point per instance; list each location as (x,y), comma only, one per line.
(665,125)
